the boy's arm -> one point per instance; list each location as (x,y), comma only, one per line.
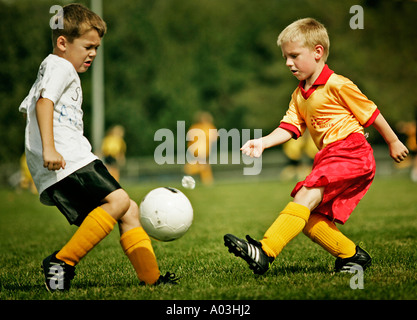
(44,113)
(397,149)
(255,147)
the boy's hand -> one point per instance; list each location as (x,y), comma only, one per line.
(52,160)
(253,148)
(398,151)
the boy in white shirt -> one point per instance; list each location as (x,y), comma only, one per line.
(66,173)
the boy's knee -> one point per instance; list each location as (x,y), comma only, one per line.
(315,224)
(309,227)
(309,197)
(133,211)
(117,203)
(123,201)
(130,219)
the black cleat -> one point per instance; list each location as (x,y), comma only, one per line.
(58,274)
(251,251)
(168,278)
(361,258)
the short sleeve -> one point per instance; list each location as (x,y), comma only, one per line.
(362,108)
(293,121)
(55,79)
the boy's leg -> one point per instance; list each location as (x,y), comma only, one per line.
(95,227)
(137,246)
(289,224)
(324,232)
(260,255)
(206,174)
(291,220)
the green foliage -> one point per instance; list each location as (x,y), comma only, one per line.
(384,221)
(167,59)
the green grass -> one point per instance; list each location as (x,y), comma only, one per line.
(385,221)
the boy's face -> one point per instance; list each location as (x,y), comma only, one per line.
(82,51)
(302,61)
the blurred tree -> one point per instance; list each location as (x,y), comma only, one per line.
(20,50)
(166,59)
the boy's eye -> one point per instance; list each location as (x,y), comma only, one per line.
(292,56)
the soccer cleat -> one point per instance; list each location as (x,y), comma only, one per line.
(361,258)
(168,278)
(251,251)
(58,274)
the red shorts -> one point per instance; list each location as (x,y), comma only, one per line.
(345,169)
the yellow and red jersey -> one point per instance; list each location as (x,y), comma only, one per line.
(331,109)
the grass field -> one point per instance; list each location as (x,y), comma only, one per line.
(385,221)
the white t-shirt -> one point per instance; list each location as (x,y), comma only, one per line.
(57,81)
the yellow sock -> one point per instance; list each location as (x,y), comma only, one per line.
(95,227)
(324,232)
(289,223)
(138,247)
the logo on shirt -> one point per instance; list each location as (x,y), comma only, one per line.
(321,122)
(70,116)
(77,94)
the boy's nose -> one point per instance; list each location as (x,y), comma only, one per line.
(93,53)
(289,63)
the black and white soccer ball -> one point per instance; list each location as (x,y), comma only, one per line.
(166,214)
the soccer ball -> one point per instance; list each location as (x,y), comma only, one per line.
(166,214)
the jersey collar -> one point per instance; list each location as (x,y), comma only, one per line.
(321,80)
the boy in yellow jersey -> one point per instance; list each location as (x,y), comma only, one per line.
(335,112)
(113,149)
(204,135)
(66,173)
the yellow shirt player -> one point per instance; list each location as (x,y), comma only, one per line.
(204,134)
(113,149)
(335,112)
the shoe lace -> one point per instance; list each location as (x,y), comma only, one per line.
(61,274)
(259,245)
(67,270)
(253,241)
(168,278)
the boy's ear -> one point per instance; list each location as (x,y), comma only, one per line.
(61,43)
(318,51)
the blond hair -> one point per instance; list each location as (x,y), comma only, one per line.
(78,20)
(309,31)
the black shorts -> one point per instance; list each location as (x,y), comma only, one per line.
(82,191)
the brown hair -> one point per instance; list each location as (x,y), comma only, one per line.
(78,19)
(309,31)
